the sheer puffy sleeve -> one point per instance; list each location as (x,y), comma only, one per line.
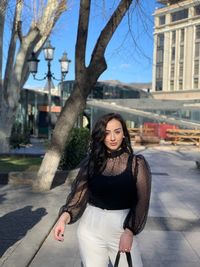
(137,216)
(77,199)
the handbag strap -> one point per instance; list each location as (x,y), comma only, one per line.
(128,257)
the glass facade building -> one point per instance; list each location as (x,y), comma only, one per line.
(33,109)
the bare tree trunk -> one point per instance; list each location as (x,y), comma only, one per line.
(5,131)
(73,107)
(85,79)
(4,145)
(3,8)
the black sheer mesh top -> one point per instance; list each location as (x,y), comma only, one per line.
(125,183)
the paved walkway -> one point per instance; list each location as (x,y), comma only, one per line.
(36,147)
(171,237)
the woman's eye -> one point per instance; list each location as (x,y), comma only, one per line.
(118,132)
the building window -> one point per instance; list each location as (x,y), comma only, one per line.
(196,67)
(196,83)
(182,35)
(159,58)
(180,85)
(158,85)
(173,51)
(197,50)
(179,15)
(181,69)
(198,32)
(197,10)
(196,58)
(172,85)
(173,37)
(162,20)
(159,61)
(172,71)
(181,56)
(159,71)
(160,40)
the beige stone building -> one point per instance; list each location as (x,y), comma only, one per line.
(176,61)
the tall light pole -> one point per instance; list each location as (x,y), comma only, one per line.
(33,68)
(64,62)
(48,55)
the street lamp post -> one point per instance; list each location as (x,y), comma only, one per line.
(48,55)
(64,63)
(33,68)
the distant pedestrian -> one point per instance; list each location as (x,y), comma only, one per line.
(110,194)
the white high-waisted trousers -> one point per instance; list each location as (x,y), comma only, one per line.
(99,233)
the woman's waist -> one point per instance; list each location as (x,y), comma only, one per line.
(109,205)
(102,209)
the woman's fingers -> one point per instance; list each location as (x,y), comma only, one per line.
(125,243)
(59,233)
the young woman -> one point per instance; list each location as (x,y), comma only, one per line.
(111,194)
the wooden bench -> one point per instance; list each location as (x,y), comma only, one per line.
(140,131)
(144,135)
(178,135)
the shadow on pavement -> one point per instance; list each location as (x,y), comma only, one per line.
(14,225)
(2,198)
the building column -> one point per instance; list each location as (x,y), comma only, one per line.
(154,64)
(189,58)
(166,62)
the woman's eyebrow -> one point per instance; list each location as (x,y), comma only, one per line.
(114,129)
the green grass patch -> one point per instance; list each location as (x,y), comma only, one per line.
(16,163)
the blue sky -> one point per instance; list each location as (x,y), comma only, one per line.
(128,56)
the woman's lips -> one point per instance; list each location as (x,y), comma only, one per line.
(113,144)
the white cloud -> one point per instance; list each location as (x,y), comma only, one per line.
(125,66)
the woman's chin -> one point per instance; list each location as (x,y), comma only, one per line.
(113,148)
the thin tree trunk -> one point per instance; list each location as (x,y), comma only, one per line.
(6,122)
(73,107)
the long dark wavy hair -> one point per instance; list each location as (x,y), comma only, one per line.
(97,149)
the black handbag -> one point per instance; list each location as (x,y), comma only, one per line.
(128,256)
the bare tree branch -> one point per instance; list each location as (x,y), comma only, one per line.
(107,33)
(12,45)
(18,26)
(50,16)
(3,8)
(82,35)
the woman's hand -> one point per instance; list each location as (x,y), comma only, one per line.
(126,241)
(59,228)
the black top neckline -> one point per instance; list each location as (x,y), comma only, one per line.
(116,153)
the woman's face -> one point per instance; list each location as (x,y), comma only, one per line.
(114,135)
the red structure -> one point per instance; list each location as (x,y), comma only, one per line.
(160,129)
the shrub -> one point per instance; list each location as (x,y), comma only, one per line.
(19,136)
(76,148)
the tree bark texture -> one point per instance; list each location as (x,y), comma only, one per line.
(74,105)
(85,79)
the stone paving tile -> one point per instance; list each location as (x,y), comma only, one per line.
(152,263)
(9,250)
(167,247)
(62,253)
(194,241)
(172,224)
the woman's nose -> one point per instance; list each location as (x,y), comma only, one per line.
(112,136)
